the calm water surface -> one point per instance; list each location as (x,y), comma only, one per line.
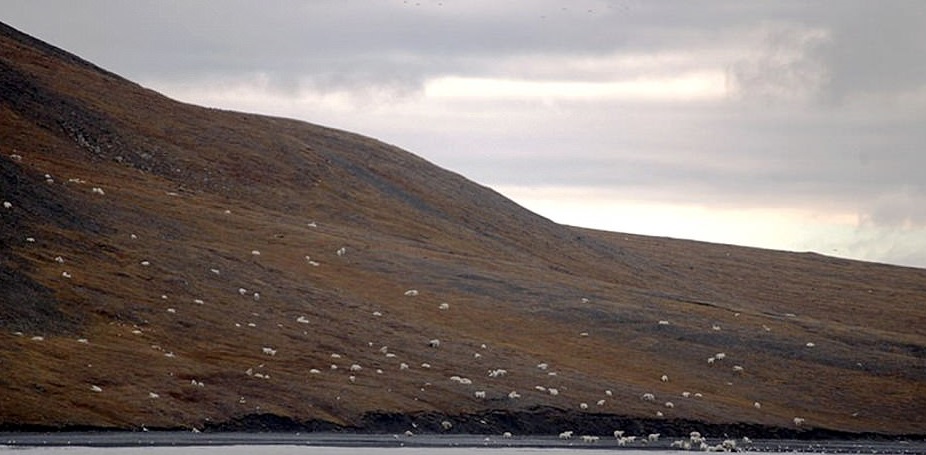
(293,450)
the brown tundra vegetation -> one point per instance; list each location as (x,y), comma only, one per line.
(164,265)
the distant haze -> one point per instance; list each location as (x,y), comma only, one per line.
(796,125)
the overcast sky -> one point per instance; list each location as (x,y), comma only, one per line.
(795,125)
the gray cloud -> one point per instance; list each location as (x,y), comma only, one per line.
(876,45)
(356,42)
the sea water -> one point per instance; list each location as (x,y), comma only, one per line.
(302,450)
(293,450)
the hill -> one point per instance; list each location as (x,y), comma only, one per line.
(164,265)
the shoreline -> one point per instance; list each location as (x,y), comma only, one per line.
(538,428)
(329,439)
(538,422)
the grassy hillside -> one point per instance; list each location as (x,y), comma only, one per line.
(168,265)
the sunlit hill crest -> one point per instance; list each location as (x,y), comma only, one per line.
(164,265)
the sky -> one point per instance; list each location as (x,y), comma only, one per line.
(794,125)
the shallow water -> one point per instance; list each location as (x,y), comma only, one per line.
(293,450)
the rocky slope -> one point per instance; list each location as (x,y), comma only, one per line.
(170,266)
